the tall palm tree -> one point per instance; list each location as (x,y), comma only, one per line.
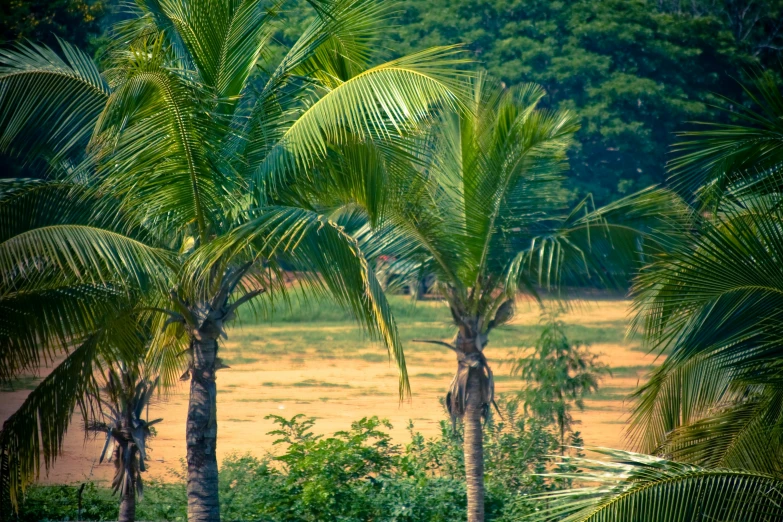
(191,137)
(485,215)
(122,400)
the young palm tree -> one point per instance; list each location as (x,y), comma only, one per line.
(122,400)
(190,137)
(484,214)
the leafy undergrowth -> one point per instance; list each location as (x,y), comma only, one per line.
(351,476)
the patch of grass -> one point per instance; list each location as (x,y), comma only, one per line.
(267,384)
(240,420)
(235,360)
(320,384)
(631,371)
(610,394)
(23,382)
(373,357)
(433,375)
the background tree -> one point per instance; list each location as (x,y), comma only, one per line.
(122,401)
(193,143)
(559,375)
(44,21)
(633,70)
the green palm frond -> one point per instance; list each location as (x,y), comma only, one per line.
(677,395)
(726,161)
(48,104)
(631,486)
(378,103)
(36,431)
(38,326)
(744,435)
(155,144)
(328,258)
(340,42)
(94,255)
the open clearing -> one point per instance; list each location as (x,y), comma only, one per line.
(317,362)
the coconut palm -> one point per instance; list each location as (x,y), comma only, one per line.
(712,302)
(485,215)
(189,137)
(122,401)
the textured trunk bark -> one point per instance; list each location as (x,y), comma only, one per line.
(474,450)
(203,500)
(128,507)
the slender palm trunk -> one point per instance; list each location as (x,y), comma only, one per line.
(474,450)
(128,507)
(203,500)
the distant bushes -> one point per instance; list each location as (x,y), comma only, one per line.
(351,476)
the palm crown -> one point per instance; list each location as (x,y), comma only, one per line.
(172,165)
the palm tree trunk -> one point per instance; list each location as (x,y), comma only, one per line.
(128,507)
(474,449)
(203,500)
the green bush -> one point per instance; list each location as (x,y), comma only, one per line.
(351,476)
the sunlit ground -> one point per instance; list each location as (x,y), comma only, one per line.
(319,363)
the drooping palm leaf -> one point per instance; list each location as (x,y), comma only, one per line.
(329,259)
(48,103)
(631,486)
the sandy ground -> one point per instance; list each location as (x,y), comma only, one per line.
(337,392)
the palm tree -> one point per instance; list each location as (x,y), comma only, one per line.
(125,395)
(484,212)
(712,303)
(192,137)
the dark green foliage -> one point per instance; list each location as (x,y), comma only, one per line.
(634,70)
(43,21)
(355,475)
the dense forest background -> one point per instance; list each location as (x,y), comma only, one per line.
(636,71)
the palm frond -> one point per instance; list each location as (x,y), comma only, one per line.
(725,161)
(631,486)
(48,104)
(379,103)
(326,256)
(744,435)
(155,142)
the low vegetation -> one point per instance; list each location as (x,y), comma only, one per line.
(353,476)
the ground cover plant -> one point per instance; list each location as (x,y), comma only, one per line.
(353,475)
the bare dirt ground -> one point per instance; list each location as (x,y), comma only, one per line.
(266,377)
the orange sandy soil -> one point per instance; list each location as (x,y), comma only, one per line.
(337,392)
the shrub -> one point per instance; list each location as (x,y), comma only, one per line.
(352,476)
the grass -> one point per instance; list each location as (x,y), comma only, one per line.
(317,329)
(320,384)
(611,394)
(433,375)
(22,382)
(631,371)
